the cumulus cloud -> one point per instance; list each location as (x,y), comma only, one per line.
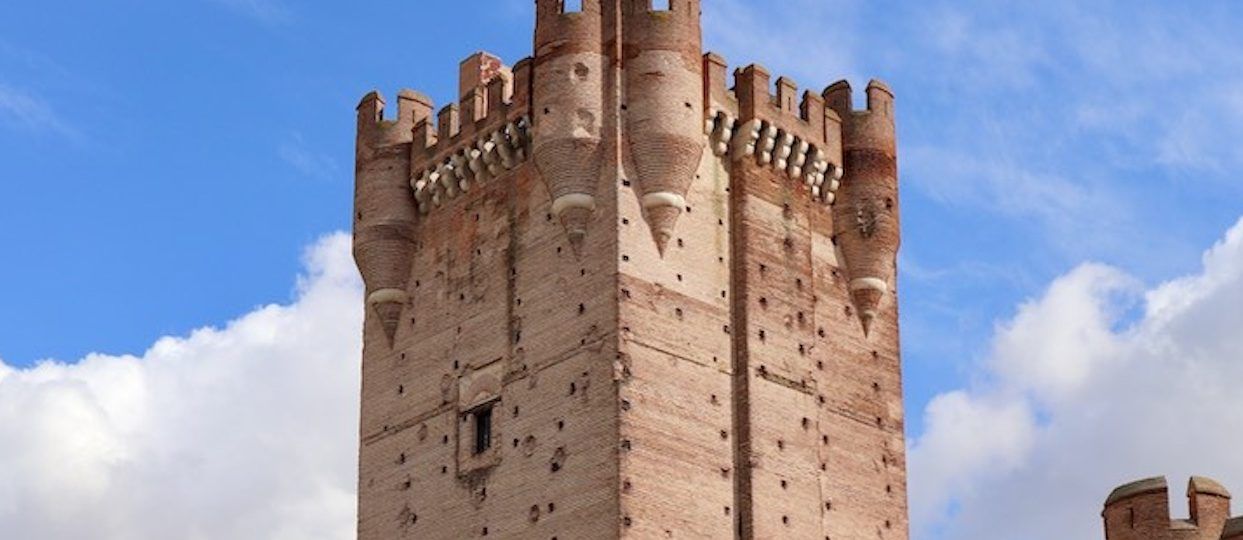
(245,431)
(1097,382)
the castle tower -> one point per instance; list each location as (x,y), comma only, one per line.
(614,295)
(1141,511)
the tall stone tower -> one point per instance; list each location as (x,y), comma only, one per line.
(611,296)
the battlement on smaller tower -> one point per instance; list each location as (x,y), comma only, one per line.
(560,29)
(648,18)
(1141,511)
(375,131)
(872,126)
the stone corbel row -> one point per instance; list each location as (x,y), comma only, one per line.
(490,156)
(775,147)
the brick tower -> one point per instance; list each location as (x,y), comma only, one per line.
(1141,511)
(609,296)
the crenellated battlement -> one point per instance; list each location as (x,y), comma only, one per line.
(375,131)
(1141,510)
(546,10)
(871,127)
(661,24)
(492,95)
(483,135)
(559,30)
(790,132)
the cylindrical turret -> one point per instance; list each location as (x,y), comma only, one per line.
(663,63)
(384,208)
(568,97)
(866,213)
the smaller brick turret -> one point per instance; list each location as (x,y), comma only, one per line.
(1141,511)
(569,86)
(866,215)
(663,109)
(384,211)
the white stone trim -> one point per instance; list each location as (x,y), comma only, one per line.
(489,156)
(771,146)
(869,283)
(388,296)
(663,198)
(573,200)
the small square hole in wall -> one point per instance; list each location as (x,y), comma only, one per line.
(573,6)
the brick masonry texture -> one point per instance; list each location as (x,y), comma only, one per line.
(672,302)
(1141,511)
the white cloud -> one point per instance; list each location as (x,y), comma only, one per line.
(246,431)
(1080,394)
(25,110)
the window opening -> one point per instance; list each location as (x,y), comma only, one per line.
(483,429)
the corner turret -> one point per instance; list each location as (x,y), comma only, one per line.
(866,215)
(384,210)
(568,93)
(663,106)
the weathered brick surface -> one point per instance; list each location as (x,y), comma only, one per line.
(1141,511)
(673,350)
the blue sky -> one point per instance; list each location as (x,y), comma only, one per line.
(165,166)
(164,163)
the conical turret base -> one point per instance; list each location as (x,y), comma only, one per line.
(867,294)
(389,314)
(575,221)
(388,305)
(662,220)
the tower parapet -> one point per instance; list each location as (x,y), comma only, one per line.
(476,140)
(796,136)
(866,215)
(1141,511)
